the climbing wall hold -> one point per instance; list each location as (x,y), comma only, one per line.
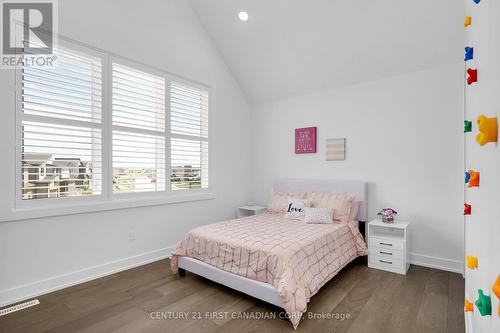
(467,126)
(467,177)
(467,209)
(469,53)
(488,130)
(496,290)
(483,303)
(472,76)
(473,179)
(477,1)
(468,21)
(472,262)
(496,286)
(469,306)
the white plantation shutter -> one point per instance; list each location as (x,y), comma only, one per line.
(138,118)
(61,127)
(189,136)
(76,137)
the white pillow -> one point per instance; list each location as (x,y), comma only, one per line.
(319,215)
(296,208)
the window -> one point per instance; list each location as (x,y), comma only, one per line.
(188,137)
(138,131)
(61,128)
(98,126)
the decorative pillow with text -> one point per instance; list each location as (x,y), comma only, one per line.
(296,208)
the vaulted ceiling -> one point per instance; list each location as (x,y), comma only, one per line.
(290,47)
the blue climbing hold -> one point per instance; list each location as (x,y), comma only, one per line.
(477,1)
(469,53)
(467,177)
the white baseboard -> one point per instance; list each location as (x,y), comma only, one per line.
(468,323)
(20,293)
(455,266)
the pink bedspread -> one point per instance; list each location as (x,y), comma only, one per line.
(296,258)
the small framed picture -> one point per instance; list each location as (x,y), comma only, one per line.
(335,149)
(305,140)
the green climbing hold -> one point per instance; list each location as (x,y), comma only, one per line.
(467,126)
(483,303)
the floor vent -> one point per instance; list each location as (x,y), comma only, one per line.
(19,307)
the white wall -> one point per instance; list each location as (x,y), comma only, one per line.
(403,137)
(41,254)
(483,226)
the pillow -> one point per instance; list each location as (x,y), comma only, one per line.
(324,199)
(352,212)
(319,215)
(279,200)
(296,209)
(340,202)
(345,206)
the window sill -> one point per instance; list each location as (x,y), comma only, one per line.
(81,208)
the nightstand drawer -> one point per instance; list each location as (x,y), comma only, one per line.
(387,243)
(389,254)
(382,262)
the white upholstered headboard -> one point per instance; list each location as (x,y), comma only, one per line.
(352,187)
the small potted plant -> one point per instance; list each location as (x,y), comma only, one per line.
(387,215)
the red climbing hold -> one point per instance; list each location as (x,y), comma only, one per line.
(467,209)
(472,76)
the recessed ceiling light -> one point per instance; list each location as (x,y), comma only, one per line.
(243,16)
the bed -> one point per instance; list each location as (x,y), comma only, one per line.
(280,261)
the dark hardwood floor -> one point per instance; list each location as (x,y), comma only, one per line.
(359,299)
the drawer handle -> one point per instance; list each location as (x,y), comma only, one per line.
(386,262)
(388,244)
(382,252)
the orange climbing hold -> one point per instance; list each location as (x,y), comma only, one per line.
(472,262)
(496,290)
(469,306)
(468,21)
(474,179)
(488,130)
(496,286)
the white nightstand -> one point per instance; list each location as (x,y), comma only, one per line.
(388,246)
(250,210)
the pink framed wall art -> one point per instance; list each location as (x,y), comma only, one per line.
(305,140)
